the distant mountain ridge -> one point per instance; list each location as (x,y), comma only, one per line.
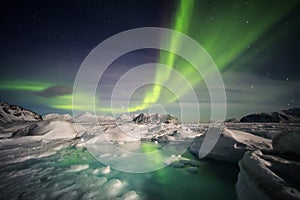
(144,118)
(290,115)
(89,117)
(12,113)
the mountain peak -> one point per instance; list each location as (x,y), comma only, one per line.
(11,113)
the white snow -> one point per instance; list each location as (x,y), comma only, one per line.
(124,118)
(77,168)
(56,116)
(11,113)
(91,118)
(58,130)
(105,170)
(288,142)
(267,177)
(113,188)
(232,144)
(28,138)
(85,118)
(130,195)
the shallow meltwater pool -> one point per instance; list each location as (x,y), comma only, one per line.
(73,173)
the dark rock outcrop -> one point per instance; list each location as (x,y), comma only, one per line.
(142,119)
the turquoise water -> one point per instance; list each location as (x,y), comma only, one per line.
(51,178)
(213,180)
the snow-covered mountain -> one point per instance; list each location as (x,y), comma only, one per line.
(89,117)
(105,118)
(49,130)
(56,116)
(18,123)
(144,118)
(290,115)
(124,118)
(12,113)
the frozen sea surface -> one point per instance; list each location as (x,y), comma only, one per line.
(64,169)
(34,171)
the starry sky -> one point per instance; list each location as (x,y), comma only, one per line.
(255,45)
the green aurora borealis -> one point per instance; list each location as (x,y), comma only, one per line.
(225,29)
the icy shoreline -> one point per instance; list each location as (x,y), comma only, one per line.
(261,149)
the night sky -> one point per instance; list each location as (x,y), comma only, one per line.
(255,44)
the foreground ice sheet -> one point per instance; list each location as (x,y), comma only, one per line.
(28,172)
(267,177)
(232,145)
(49,159)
